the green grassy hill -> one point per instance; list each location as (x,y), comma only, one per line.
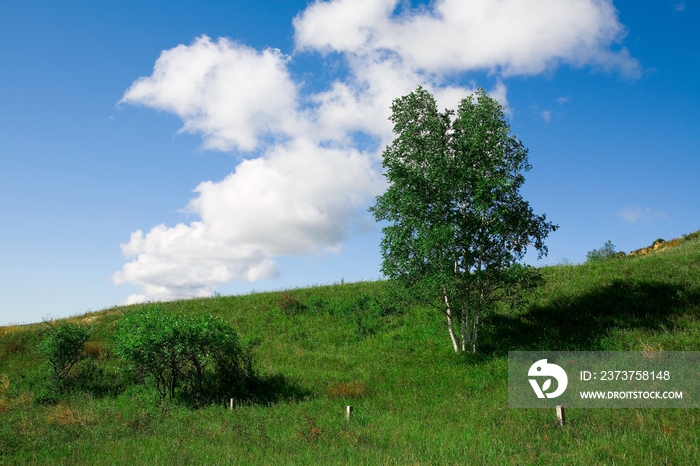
(415,401)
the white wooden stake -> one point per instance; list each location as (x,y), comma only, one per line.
(348,412)
(230,403)
(560,415)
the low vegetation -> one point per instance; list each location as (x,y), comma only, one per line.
(199,359)
(306,354)
(62,347)
(604,253)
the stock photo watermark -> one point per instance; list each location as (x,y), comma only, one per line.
(604,379)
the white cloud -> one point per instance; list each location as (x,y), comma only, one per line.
(308,186)
(135,299)
(636,213)
(229,92)
(509,36)
(342,26)
(186,260)
(298,198)
(546,116)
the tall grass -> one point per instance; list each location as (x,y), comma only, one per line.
(415,401)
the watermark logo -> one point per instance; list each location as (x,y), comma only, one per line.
(543,369)
(603,379)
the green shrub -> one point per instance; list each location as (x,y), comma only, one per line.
(63,348)
(197,358)
(606,252)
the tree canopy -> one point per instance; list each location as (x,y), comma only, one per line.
(458,226)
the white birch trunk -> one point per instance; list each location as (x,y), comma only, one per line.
(450,327)
(466,330)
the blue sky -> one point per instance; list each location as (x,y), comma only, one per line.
(112,114)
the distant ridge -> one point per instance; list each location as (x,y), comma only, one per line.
(661,244)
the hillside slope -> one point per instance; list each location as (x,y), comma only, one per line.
(415,401)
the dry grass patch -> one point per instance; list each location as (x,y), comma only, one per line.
(4,383)
(347,390)
(85,319)
(9,330)
(95,350)
(4,387)
(62,415)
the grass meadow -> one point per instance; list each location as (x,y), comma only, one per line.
(415,401)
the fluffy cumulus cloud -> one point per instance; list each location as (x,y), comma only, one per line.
(230,93)
(508,36)
(306,180)
(297,199)
(187,260)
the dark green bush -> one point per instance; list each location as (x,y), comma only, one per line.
(196,358)
(63,348)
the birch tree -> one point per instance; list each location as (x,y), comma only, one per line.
(458,227)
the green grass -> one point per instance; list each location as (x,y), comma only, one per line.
(415,401)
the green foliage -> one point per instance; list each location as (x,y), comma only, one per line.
(63,348)
(46,389)
(199,358)
(458,225)
(606,252)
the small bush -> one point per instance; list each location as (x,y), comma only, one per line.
(63,348)
(197,358)
(606,252)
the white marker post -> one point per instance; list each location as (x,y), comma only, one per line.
(348,412)
(560,415)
